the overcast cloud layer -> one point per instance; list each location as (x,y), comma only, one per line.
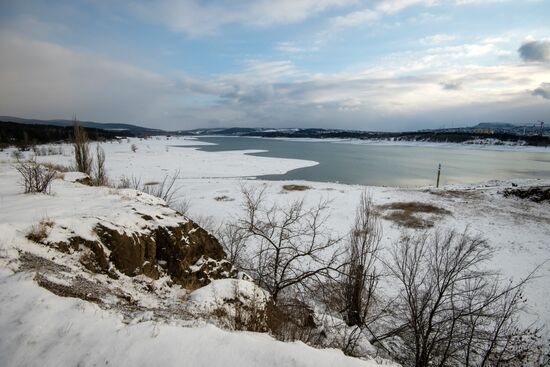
(370,65)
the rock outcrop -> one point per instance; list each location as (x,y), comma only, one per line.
(190,255)
(157,247)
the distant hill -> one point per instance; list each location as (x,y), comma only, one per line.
(489,133)
(25,135)
(133,129)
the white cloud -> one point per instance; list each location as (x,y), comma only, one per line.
(293,48)
(437,39)
(44,80)
(41,79)
(195,18)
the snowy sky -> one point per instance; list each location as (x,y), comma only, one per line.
(357,64)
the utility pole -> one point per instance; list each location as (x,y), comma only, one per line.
(438,174)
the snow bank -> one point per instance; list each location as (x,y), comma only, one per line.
(40,329)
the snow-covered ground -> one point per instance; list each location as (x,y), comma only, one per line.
(210,182)
(41,329)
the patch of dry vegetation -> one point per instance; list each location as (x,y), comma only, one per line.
(40,231)
(296,187)
(223,198)
(409,214)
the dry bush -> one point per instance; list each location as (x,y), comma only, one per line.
(452,312)
(165,189)
(36,178)
(406,214)
(296,187)
(82,156)
(129,183)
(182,205)
(40,231)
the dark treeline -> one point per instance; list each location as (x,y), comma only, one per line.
(24,135)
(427,136)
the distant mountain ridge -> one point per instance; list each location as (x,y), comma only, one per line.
(135,129)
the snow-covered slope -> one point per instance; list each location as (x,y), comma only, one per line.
(55,311)
(41,329)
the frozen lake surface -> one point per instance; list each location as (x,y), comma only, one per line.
(392,165)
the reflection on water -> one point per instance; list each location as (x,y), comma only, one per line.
(392,165)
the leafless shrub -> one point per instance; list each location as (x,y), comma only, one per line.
(206,221)
(36,178)
(129,183)
(233,240)
(291,243)
(164,189)
(82,156)
(451,311)
(182,205)
(100,177)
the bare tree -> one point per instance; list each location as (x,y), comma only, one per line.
(100,177)
(82,155)
(36,178)
(451,311)
(361,275)
(290,244)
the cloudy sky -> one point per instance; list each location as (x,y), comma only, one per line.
(354,64)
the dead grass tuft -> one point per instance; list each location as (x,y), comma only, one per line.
(40,231)
(408,214)
(296,187)
(223,198)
